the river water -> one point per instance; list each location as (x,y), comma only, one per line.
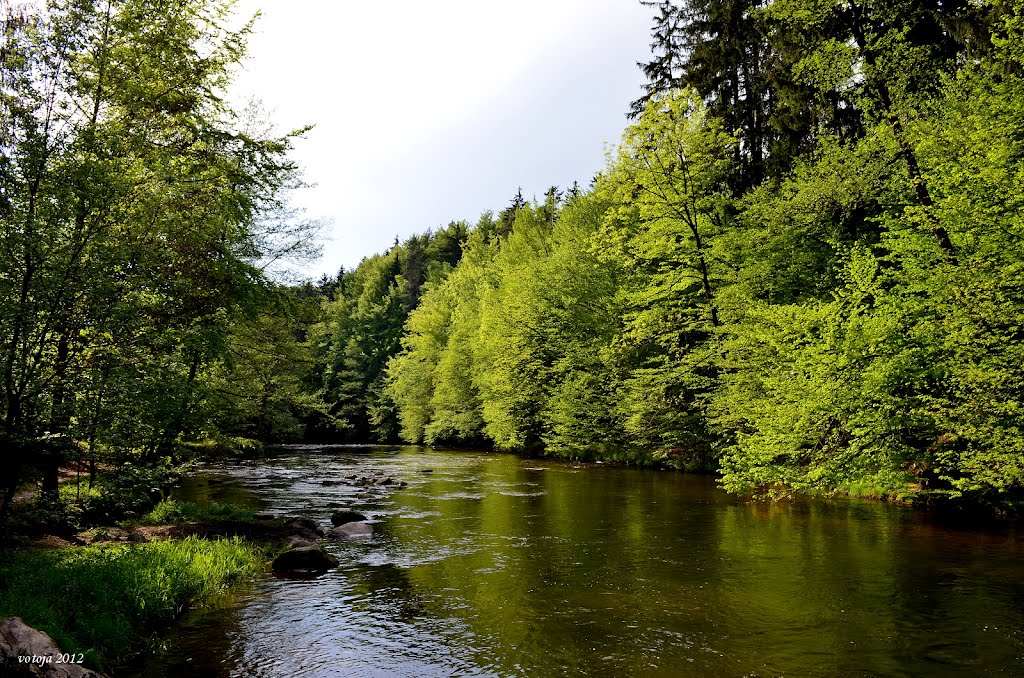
(491,565)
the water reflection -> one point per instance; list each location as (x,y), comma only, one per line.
(491,565)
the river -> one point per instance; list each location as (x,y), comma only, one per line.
(492,565)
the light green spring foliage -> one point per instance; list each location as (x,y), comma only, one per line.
(669,207)
(578,297)
(431,381)
(909,379)
(364,323)
(510,347)
(851,324)
(511,343)
(972,149)
(546,326)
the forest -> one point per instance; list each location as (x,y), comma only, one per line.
(800,268)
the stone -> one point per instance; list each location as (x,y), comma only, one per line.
(345,515)
(304,559)
(303,527)
(352,531)
(17,639)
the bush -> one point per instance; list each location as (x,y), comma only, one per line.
(131,490)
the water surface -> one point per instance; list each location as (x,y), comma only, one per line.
(490,565)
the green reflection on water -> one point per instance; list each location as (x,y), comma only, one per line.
(523,567)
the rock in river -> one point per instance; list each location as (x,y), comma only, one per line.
(302,527)
(296,542)
(351,530)
(344,515)
(305,559)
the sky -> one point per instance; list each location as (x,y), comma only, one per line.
(429,112)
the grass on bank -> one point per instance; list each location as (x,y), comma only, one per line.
(108,601)
(170,511)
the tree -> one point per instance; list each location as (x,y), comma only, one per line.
(667,184)
(130,225)
(664,71)
(364,324)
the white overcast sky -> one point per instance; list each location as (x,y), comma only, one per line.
(428,112)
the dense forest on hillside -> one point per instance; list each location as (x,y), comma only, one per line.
(801,267)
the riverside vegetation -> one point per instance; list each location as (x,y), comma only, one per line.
(142,221)
(800,268)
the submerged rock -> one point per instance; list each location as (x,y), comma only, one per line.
(302,527)
(352,530)
(305,559)
(297,542)
(17,639)
(345,515)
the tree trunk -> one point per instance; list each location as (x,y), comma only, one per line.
(881,88)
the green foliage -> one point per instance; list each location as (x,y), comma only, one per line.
(108,601)
(125,491)
(363,327)
(671,207)
(264,389)
(431,381)
(849,324)
(139,218)
(171,511)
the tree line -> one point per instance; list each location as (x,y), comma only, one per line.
(800,267)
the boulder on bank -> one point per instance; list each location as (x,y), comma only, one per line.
(345,515)
(352,530)
(305,559)
(17,639)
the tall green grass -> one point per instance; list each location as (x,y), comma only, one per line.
(108,601)
(170,511)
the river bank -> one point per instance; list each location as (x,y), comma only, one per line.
(105,603)
(104,594)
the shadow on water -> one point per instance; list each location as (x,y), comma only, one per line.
(492,565)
